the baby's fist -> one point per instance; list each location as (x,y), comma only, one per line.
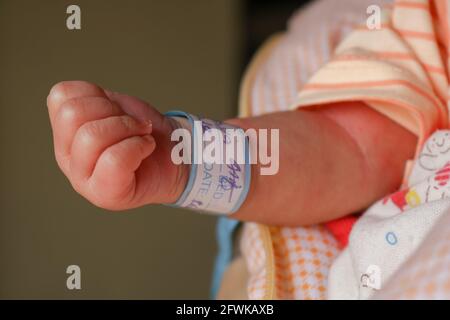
(114,149)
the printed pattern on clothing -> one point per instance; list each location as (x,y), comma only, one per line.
(426,275)
(398,228)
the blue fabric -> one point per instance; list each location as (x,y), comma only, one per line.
(224,235)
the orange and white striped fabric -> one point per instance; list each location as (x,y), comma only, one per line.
(329,55)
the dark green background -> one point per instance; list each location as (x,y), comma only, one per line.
(174,54)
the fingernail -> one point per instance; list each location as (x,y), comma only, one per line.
(147,123)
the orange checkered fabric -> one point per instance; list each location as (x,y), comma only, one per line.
(302,258)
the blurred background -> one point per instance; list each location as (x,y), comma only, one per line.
(175,54)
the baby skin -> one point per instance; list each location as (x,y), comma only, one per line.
(334,160)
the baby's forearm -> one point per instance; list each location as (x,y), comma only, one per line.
(334,161)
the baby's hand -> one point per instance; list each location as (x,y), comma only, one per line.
(114,149)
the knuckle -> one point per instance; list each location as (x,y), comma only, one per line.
(57,93)
(113,158)
(89,133)
(58,88)
(78,109)
(70,111)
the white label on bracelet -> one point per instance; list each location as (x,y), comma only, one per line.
(220,170)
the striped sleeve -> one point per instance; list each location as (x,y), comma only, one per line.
(399,69)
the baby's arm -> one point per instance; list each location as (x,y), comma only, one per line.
(115,150)
(335,160)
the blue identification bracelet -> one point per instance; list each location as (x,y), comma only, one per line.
(220,168)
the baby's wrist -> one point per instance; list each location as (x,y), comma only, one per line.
(218,159)
(180,172)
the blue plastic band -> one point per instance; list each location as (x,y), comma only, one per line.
(219,187)
(193,171)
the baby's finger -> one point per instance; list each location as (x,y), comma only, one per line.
(66,90)
(94,137)
(133,106)
(113,179)
(72,115)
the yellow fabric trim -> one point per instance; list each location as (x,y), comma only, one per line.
(266,238)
